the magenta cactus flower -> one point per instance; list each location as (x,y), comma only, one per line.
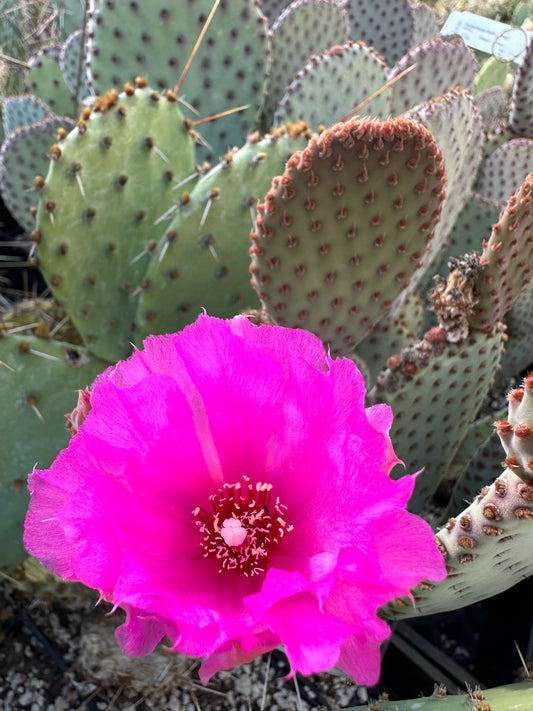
(229,490)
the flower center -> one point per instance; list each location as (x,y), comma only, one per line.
(244,528)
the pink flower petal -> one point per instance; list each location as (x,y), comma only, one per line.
(228,425)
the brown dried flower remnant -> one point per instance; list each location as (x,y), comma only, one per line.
(453,299)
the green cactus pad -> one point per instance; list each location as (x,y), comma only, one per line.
(46,81)
(386,25)
(514,697)
(487,549)
(155,40)
(202,261)
(392,334)
(38,380)
(491,105)
(72,63)
(455,124)
(342,231)
(25,154)
(305,28)
(111,179)
(23,110)
(506,260)
(334,83)
(426,26)
(439,67)
(505,169)
(521,116)
(435,391)
(492,73)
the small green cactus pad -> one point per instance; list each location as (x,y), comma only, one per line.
(155,40)
(456,125)
(492,73)
(334,83)
(342,231)
(23,110)
(109,181)
(46,81)
(25,154)
(202,260)
(473,223)
(487,549)
(491,105)
(515,697)
(505,169)
(506,260)
(481,470)
(38,381)
(392,334)
(521,116)
(385,25)
(72,63)
(435,389)
(438,67)
(426,26)
(305,28)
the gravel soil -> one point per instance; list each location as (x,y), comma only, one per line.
(58,653)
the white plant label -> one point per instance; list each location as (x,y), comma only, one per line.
(503,41)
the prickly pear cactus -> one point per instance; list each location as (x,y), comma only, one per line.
(497,526)
(25,154)
(438,67)
(333,83)
(503,698)
(386,25)
(201,261)
(38,378)
(295,36)
(109,181)
(155,40)
(340,233)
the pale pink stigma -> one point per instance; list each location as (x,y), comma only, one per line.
(233,532)
(244,529)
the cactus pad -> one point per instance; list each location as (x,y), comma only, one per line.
(111,178)
(23,110)
(303,29)
(202,260)
(425,27)
(333,83)
(72,63)
(38,387)
(439,67)
(155,40)
(521,116)
(24,154)
(435,390)
(506,260)
(455,124)
(386,25)
(46,81)
(506,169)
(491,105)
(342,231)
